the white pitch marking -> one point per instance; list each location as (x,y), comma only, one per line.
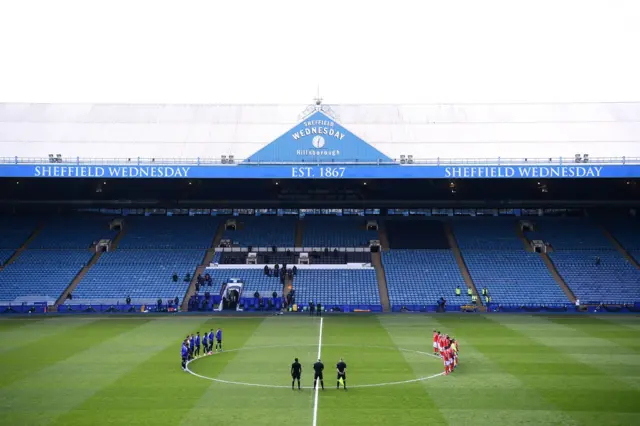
(315,400)
(259,385)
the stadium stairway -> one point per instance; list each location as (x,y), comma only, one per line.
(299,233)
(116,241)
(455,249)
(76,280)
(556,275)
(208,259)
(523,238)
(623,251)
(382,236)
(191,290)
(23,247)
(376,261)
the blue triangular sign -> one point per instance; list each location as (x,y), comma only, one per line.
(318,138)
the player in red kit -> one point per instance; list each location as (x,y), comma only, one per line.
(446,360)
(436,337)
(451,360)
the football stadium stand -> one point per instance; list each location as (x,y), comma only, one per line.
(145,276)
(590,265)
(514,277)
(161,232)
(337,287)
(41,256)
(497,260)
(262,231)
(44,269)
(421,277)
(73,232)
(322,231)
(41,275)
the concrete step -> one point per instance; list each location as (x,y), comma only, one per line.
(376,261)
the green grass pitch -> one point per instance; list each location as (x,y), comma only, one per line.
(515,369)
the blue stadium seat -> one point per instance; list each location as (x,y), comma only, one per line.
(163,232)
(337,286)
(614,279)
(144,275)
(323,231)
(15,230)
(514,277)
(72,232)
(421,277)
(263,231)
(569,234)
(494,233)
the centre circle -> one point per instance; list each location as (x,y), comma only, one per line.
(261,385)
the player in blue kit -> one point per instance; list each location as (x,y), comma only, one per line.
(197,353)
(192,346)
(219,339)
(205,343)
(211,342)
(185,355)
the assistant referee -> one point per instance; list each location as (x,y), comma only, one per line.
(341,367)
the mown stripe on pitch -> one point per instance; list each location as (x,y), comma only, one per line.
(488,338)
(25,360)
(617,336)
(407,404)
(250,405)
(22,333)
(620,363)
(156,390)
(532,331)
(62,385)
(481,383)
(8,323)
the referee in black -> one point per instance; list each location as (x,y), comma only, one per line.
(342,374)
(296,372)
(318,368)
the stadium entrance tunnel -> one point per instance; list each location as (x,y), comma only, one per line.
(268,366)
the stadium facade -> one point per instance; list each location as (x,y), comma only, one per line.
(410,141)
(446,192)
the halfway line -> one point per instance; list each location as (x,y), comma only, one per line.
(315,400)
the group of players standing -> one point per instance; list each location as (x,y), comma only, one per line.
(447,348)
(318,374)
(191,345)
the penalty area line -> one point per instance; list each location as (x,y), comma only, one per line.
(317,385)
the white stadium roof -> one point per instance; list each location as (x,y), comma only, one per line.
(424,131)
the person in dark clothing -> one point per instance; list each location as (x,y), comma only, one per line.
(318,368)
(296,372)
(341,367)
(319,309)
(311,308)
(294,270)
(597,260)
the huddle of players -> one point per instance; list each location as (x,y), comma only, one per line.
(447,348)
(191,345)
(318,370)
